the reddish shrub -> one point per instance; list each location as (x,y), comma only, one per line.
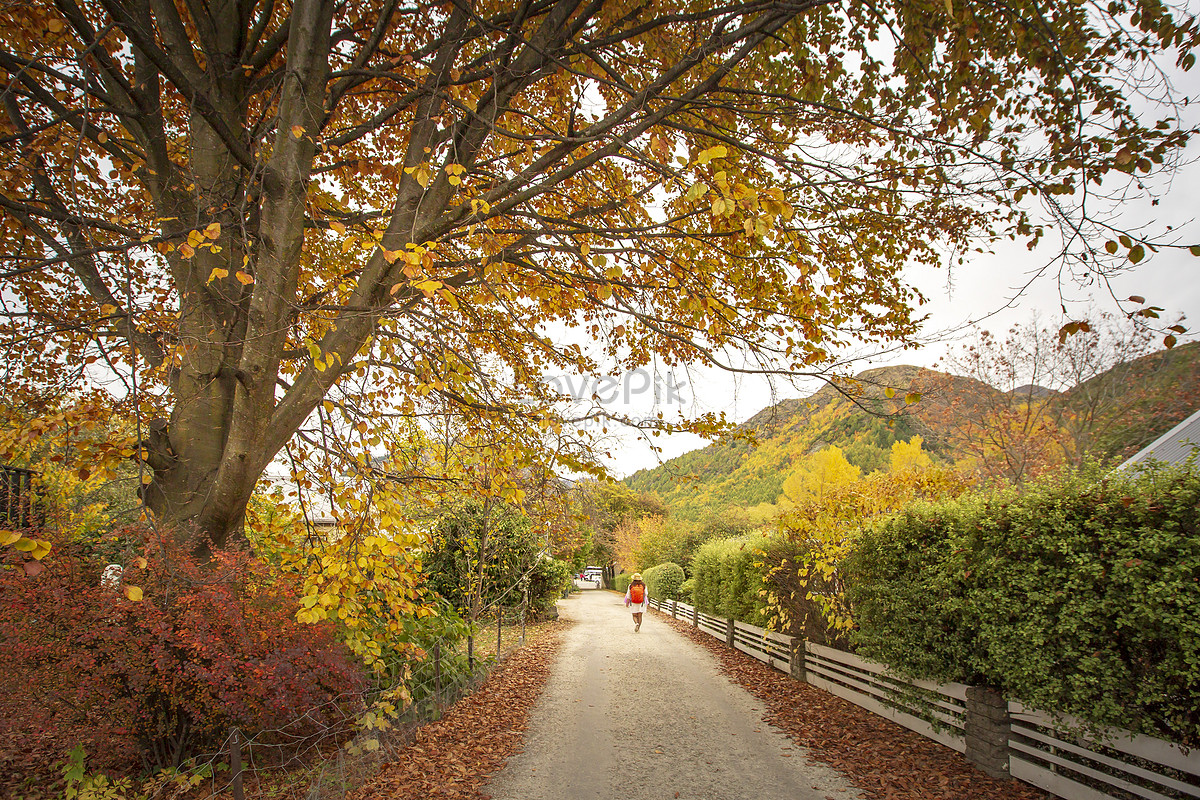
(209,647)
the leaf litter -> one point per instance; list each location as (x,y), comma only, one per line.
(453,757)
(884,760)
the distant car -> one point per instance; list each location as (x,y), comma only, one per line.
(595,576)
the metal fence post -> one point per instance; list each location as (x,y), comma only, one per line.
(437,671)
(235,764)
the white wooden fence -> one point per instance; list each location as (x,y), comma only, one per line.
(1039,748)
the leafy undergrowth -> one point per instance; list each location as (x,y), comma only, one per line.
(453,757)
(886,761)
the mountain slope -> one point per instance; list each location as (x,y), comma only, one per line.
(1113,416)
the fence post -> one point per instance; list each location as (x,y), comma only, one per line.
(524,612)
(796,659)
(730,632)
(471,652)
(987,730)
(437,671)
(499,631)
(695,616)
(674,609)
(235,764)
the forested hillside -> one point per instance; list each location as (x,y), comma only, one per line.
(1007,432)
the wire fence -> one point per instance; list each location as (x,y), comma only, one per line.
(311,758)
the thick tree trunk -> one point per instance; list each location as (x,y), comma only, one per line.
(224,429)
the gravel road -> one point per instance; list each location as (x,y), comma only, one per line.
(647,715)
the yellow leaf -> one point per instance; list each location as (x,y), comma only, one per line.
(889,392)
(187,250)
(107,309)
(140,562)
(42,549)
(428,287)
(8,537)
(298,131)
(134,593)
(213,230)
(244,278)
(336,226)
(217,273)
(25,545)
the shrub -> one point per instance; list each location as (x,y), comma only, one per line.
(546,584)
(789,577)
(686,589)
(1081,595)
(208,647)
(621,582)
(729,578)
(663,581)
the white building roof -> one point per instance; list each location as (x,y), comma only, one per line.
(1173,447)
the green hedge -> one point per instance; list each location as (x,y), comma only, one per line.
(621,582)
(1080,595)
(686,591)
(728,578)
(663,580)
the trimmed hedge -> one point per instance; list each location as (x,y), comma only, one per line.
(728,578)
(686,591)
(663,581)
(1080,595)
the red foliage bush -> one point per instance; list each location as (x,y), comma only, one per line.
(209,647)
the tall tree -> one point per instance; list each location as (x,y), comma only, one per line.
(262,216)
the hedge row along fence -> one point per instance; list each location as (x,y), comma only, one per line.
(1079,595)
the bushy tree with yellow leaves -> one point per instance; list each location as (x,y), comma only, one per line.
(278,221)
(822,529)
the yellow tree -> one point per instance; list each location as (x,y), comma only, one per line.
(818,477)
(825,529)
(242,211)
(909,455)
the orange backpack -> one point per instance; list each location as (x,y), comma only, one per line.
(637,593)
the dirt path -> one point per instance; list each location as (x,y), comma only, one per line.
(648,715)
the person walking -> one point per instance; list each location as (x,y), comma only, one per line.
(635,599)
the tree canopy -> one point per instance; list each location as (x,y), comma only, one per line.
(277,223)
